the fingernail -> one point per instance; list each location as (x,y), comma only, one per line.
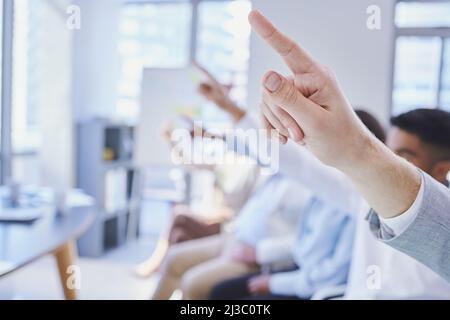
(273,82)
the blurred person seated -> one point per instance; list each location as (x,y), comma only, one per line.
(378,271)
(233,185)
(195,266)
(321,255)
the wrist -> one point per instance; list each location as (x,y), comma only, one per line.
(224,103)
(361,148)
(379,174)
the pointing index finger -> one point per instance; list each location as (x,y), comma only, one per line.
(297,59)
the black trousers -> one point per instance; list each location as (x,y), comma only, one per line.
(237,289)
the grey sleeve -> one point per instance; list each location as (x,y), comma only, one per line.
(427,239)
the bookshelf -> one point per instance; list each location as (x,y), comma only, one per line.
(105,171)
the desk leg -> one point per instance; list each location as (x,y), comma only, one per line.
(66,256)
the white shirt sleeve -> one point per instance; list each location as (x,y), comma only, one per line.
(272,250)
(285,283)
(400,223)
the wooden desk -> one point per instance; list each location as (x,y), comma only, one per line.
(21,244)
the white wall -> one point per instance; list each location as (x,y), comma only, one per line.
(56,154)
(335,33)
(96,58)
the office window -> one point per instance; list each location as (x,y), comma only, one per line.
(1,51)
(39,47)
(422,56)
(445,85)
(416,79)
(223,47)
(151,35)
(26,72)
(417,14)
(159,35)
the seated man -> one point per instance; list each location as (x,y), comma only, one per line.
(195,266)
(321,253)
(379,271)
(233,186)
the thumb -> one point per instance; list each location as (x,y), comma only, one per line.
(281,90)
(283,93)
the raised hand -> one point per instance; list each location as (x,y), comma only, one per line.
(312,109)
(219,94)
(309,106)
(212,89)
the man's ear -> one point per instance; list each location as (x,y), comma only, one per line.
(441,170)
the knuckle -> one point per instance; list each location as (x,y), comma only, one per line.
(289,94)
(291,47)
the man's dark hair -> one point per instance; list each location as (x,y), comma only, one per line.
(372,124)
(432,126)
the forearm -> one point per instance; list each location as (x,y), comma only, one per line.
(387,182)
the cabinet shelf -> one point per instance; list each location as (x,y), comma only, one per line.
(105,171)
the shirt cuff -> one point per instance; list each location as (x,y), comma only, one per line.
(283,283)
(292,283)
(400,223)
(273,250)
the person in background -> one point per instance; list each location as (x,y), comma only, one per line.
(233,186)
(321,252)
(195,266)
(377,270)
